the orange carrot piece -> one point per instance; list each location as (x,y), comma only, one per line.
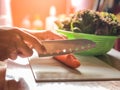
(69,60)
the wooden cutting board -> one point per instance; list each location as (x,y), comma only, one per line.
(92,68)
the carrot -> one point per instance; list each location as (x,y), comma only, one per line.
(69,60)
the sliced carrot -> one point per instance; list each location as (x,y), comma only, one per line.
(69,60)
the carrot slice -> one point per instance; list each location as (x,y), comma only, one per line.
(69,60)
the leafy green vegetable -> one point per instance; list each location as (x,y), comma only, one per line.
(92,22)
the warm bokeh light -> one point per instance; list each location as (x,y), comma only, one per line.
(31,8)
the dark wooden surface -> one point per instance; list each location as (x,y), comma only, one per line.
(20,77)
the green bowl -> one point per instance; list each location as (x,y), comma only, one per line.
(103,43)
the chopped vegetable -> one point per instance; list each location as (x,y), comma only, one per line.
(69,60)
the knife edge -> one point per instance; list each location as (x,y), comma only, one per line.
(61,47)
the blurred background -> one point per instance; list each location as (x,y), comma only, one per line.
(41,14)
(34,14)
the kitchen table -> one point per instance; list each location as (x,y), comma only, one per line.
(19,76)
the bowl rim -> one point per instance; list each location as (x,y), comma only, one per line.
(101,36)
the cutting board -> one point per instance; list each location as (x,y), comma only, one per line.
(91,69)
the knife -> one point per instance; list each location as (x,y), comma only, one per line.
(60,47)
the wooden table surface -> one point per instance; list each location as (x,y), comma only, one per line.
(20,77)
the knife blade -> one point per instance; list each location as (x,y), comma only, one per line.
(60,47)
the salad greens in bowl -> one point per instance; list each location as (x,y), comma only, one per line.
(101,27)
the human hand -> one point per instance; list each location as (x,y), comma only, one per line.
(16,42)
(46,34)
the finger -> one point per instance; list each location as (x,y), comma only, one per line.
(13,55)
(36,44)
(54,35)
(3,54)
(23,50)
(61,36)
(3,58)
(11,52)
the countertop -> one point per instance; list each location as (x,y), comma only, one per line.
(19,76)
